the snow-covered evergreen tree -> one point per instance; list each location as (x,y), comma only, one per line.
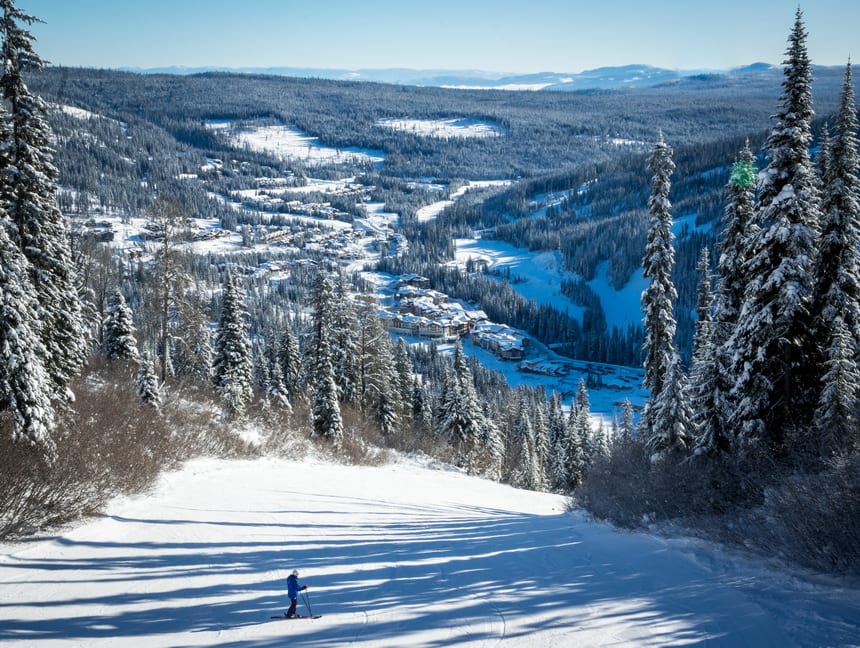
(25,387)
(735,247)
(525,471)
(290,361)
(276,393)
(773,346)
(232,365)
(491,448)
(559,476)
(377,383)
(343,347)
(28,194)
(191,347)
(542,448)
(599,443)
(660,294)
(325,409)
(837,417)
(579,437)
(422,405)
(672,427)
(326,418)
(119,340)
(739,230)
(838,275)
(147,383)
(627,427)
(837,304)
(705,374)
(559,441)
(403,374)
(460,416)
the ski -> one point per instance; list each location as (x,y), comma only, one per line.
(298,616)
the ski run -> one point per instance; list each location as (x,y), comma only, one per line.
(395,555)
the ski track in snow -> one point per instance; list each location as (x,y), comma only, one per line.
(398,555)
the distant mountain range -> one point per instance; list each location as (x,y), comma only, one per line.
(626,76)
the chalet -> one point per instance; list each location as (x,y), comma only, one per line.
(502,340)
(413,280)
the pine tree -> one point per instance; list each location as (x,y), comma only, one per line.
(660,294)
(28,194)
(119,341)
(491,448)
(325,407)
(739,230)
(460,417)
(578,455)
(598,445)
(466,441)
(403,374)
(344,351)
(191,348)
(628,426)
(542,448)
(422,406)
(837,303)
(705,374)
(838,275)
(377,380)
(25,387)
(775,354)
(525,472)
(559,475)
(290,362)
(672,432)
(147,383)
(836,417)
(276,393)
(232,366)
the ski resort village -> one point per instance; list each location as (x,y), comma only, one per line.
(349,341)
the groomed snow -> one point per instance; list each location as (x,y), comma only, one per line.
(394,556)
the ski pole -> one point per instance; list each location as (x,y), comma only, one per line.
(307,603)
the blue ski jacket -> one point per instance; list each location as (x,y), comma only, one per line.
(293,588)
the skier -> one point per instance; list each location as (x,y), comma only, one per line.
(293,590)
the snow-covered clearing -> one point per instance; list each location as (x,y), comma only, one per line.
(454,127)
(398,555)
(430,212)
(536,276)
(286,142)
(78,113)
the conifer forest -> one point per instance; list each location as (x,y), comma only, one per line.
(176,282)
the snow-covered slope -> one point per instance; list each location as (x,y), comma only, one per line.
(398,555)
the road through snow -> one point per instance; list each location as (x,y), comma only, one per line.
(397,555)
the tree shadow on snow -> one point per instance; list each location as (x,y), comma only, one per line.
(478,573)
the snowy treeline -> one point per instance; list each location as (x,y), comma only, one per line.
(42,336)
(769,410)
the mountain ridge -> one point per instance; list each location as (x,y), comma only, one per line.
(608,77)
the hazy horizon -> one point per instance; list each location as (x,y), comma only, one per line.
(501,37)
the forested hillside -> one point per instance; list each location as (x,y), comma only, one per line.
(279,255)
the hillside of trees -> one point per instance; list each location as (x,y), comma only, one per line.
(118,365)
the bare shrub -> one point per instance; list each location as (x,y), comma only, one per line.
(814,520)
(810,519)
(198,425)
(363,443)
(110,443)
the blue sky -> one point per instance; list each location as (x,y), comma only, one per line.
(496,35)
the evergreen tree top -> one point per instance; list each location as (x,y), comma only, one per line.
(744,173)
